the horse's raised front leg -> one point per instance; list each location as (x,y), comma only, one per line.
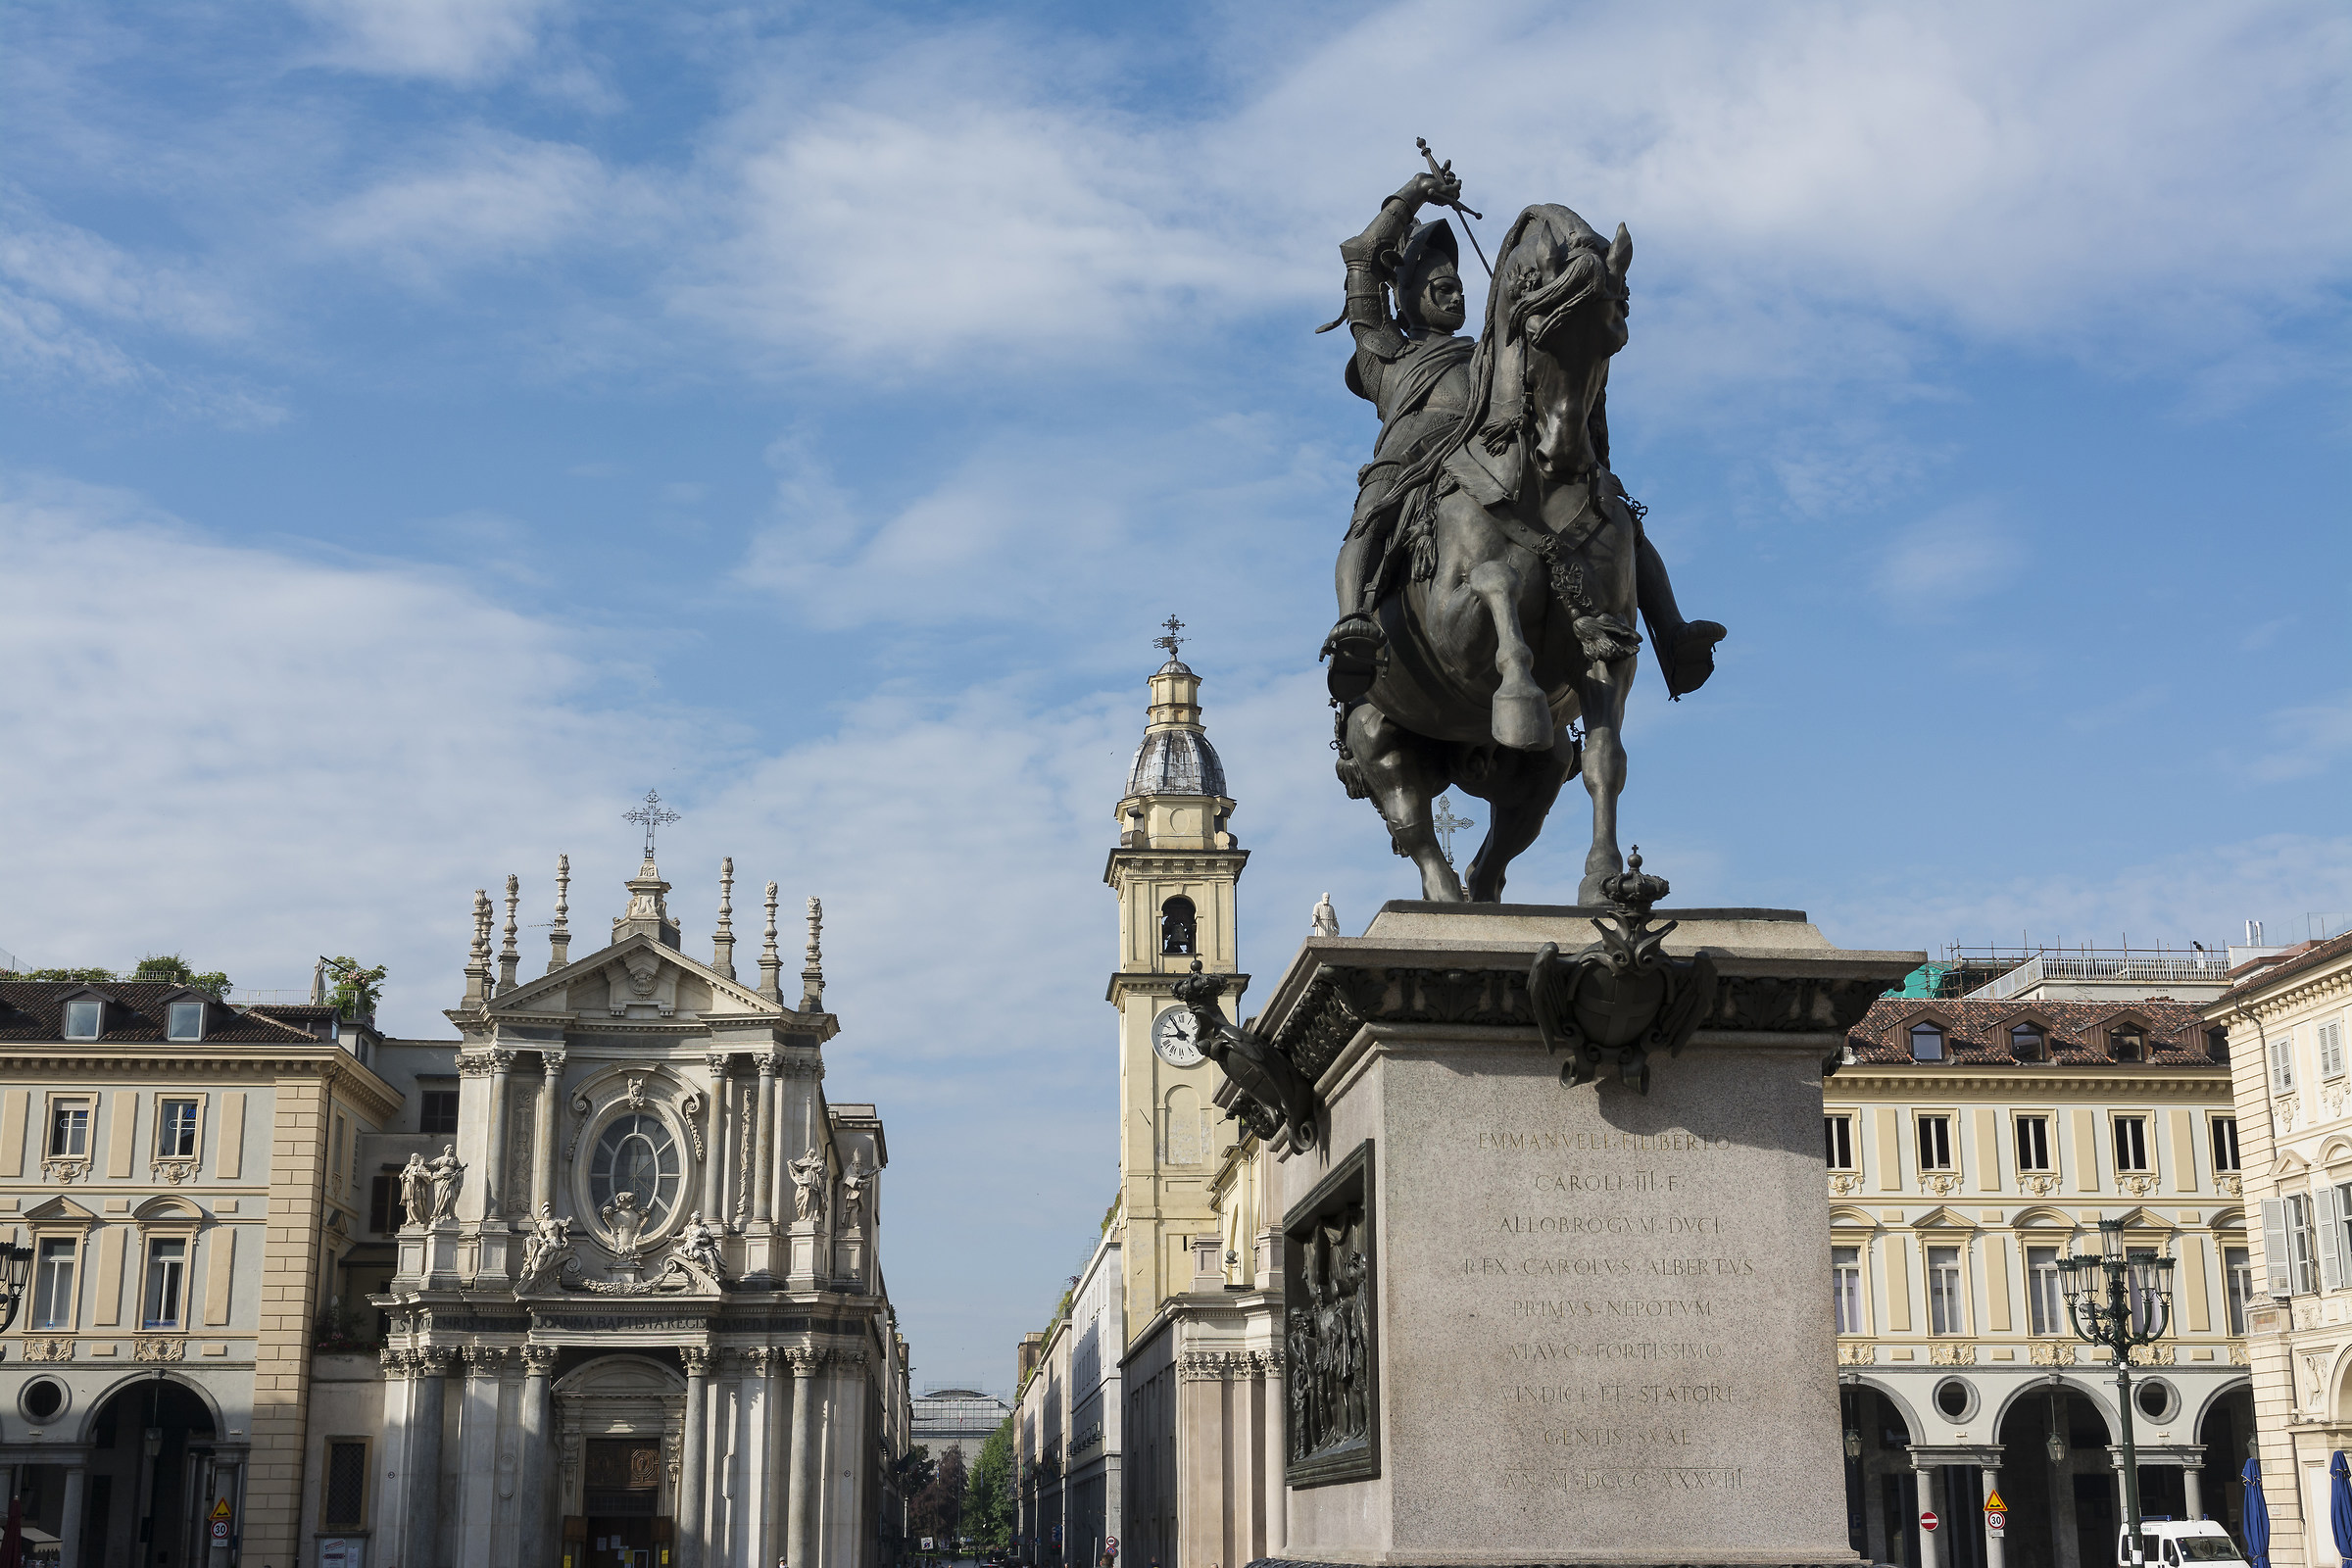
(1602,692)
(1521,715)
(1404,775)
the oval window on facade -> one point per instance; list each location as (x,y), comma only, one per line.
(636,1154)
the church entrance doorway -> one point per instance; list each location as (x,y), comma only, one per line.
(620,1496)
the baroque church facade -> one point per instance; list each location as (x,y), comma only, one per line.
(635,1313)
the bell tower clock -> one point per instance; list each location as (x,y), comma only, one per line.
(1173,872)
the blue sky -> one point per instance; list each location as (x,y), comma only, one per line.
(426,425)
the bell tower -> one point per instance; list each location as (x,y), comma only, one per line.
(1173,873)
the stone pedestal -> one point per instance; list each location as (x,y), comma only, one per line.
(1536,1323)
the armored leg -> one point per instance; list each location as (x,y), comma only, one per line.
(1685,648)
(1356,647)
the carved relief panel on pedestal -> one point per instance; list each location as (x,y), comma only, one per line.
(1332,1420)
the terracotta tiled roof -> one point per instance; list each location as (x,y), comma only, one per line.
(2312,956)
(35,1011)
(1977,1033)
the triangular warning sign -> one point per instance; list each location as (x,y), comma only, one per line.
(1994,1505)
(220,1509)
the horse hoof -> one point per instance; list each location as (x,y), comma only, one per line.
(1523,724)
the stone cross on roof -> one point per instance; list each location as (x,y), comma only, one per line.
(1171,642)
(653,813)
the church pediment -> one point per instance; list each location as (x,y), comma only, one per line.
(635,977)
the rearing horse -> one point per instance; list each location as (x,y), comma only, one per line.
(1516,616)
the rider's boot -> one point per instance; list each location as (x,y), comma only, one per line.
(1685,648)
(1357,650)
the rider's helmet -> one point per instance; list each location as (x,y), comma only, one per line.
(1429,247)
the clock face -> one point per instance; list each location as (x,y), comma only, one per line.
(1176,1037)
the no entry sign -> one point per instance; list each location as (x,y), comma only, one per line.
(1928,1519)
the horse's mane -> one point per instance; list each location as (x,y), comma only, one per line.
(1520,290)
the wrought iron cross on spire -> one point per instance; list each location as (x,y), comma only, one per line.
(653,813)
(1171,642)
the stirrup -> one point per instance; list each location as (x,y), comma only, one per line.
(1357,652)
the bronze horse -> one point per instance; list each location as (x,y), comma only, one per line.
(1516,616)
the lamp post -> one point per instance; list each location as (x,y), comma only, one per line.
(2117,1302)
(16,1264)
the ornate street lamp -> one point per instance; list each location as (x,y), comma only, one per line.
(2053,1442)
(2117,1301)
(16,1262)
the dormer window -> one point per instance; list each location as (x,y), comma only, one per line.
(1927,1042)
(186,1022)
(2217,1044)
(2026,1043)
(2128,1043)
(1178,927)
(83,1018)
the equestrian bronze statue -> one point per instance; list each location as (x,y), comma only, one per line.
(1494,564)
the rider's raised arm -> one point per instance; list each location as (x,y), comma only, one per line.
(1371,259)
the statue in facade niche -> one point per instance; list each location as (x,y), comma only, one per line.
(417,1190)
(852,1196)
(808,1185)
(448,1174)
(1494,566)
(698,1244)
(623,1221)
(545,1251)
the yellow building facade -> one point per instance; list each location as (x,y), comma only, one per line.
(1969,1144)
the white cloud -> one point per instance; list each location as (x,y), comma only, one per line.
(2305,739)
(485,198)
(466,42)
(1960,553)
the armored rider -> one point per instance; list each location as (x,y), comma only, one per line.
(1415,369)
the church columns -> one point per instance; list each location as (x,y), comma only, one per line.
(493,1176)
(543,1131)
(802,1496)
(770,1449)
(477,1451)
(715,1169)
(538,1523)
(693,1500)
(763,1193)
(846,1474)
(425,1413)
(1276,1456)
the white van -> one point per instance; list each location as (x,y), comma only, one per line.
(2179,1543)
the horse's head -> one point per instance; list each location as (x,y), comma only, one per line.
(1559,305)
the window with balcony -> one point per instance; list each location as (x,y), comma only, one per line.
(2225,1143)
(2034,1143)
(53,1284)
(185,1021)
(166,1282)
(1927,1043)
(2131,1143)
(1934,1142)
(1846,1288)
(1945,1302)
(2238,1266)
(2045,1301)
(176,1122)
(1838,1139)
